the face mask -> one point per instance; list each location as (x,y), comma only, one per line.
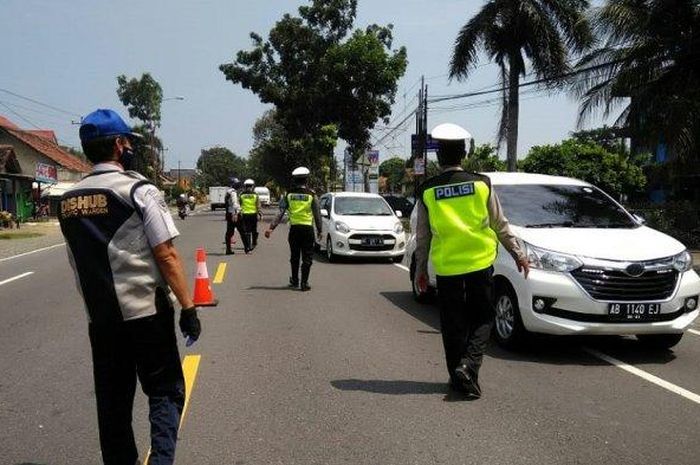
(127,159)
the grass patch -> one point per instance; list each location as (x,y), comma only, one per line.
(18,235)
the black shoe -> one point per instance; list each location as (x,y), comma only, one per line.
(230,252)
(467,381)
(305,287)
(293,284)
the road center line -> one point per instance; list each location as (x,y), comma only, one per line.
(399,265)
(696,332)
(645,376)
(220,273)
(190,366)
(19,276)
(32,252)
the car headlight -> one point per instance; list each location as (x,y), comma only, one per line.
(683,261)
(342,227)
(398,228)
(547,260)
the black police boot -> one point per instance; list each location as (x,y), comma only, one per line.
(305,287)
(229,252)
(467,380)
(293,283)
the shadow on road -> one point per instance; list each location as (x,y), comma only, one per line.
(397,387)
(270,288)
(540,348)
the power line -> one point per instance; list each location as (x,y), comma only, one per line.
(19,116)
(60,110)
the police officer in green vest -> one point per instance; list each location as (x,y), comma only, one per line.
(250,211)
(459,225)
(304,213)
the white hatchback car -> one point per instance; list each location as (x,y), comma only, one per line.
(360,225)
(596,269)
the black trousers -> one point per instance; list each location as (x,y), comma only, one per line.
(466,317)
(250,226)
(146,348)
(234,223)
(301,245)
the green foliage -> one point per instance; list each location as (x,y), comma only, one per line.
(142,97)
(321,79)
(217,165)
(394,169)
(483,159)
(543,33)
(590,162)
(646,64)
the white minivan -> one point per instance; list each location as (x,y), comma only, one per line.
(596,269)
(264,195)
(357,224)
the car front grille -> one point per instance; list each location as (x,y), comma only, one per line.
(357,242)
(618,286)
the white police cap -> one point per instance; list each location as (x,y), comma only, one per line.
(248,182)
(301,172)
(449,131)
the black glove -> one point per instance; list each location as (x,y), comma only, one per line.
(189,323)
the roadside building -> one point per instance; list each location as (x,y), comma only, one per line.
(30,162)
(184,177)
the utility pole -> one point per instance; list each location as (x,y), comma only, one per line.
(421,150)
(178,173)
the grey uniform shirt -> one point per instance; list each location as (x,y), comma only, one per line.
(158,223)
(497,221)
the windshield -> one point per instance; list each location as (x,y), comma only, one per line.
(362,206)
(551,206)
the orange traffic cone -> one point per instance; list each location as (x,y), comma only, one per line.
(203,295)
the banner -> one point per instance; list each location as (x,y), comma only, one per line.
(46,173)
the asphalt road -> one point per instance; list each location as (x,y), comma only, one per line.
(349,373)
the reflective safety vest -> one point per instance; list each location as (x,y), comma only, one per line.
(300,211)
(463,241)
(249,203)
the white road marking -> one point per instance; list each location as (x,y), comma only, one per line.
(645,376)
(19,276)
(405,268)
(696,332)
(32,252)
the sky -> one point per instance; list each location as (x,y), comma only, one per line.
(67,54)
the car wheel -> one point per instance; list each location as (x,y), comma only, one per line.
(659,341)
(329,250)
(508,327)
(418,296)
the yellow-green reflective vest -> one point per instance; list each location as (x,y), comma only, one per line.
(249,203)
(299,206)
(463,241)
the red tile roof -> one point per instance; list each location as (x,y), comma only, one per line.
(6,123)
(50,150)
(47,134)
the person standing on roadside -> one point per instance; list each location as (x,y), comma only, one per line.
(250,213)
(459,225)
(304,212)
(120,234)
(233,213)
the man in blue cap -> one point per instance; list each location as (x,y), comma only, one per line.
(120,234)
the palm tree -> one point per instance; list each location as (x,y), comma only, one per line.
(648,65)
(515,33)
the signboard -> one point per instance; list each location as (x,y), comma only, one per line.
(419,166)
(46,173)
(431,143)
(367,164)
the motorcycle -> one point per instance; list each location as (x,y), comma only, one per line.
(182,211)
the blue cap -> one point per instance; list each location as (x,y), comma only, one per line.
(103,123)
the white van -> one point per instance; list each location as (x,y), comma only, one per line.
(596,269)
(217,197)
(263,195)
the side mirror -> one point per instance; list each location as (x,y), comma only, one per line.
(324,213)
(639,219)
(399,214)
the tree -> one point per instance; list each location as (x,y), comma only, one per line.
(647,66)
(321,78)
(394,170)
(217,165)
(612,172)
(145,150)
(143,98)
(547,33)
(483,159)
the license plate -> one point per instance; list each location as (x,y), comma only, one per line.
(373,241)
(634,312)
